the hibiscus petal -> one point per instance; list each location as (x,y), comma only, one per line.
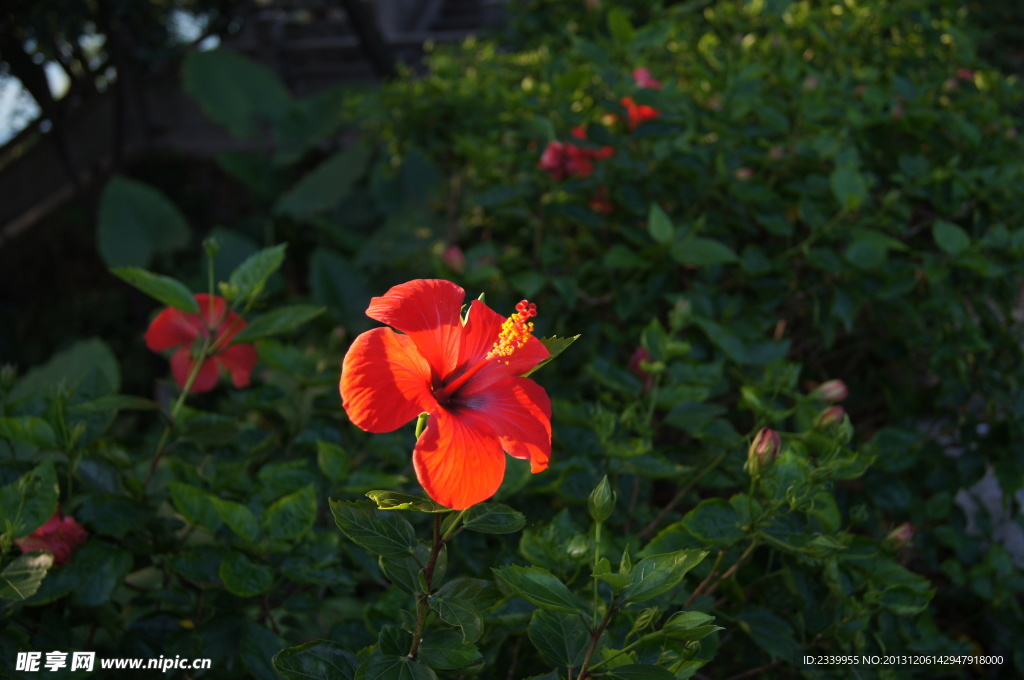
(239,360)
(458,459)
(181,366)
(172,328)
(428,311)
(385,381)
(482,328)
(519,412)
(212,309)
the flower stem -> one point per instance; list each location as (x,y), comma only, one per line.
(423,604)
(649,529)
(597,558)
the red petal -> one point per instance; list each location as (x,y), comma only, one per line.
(238,360)
(458,459)
(172,328)
(211,309)
(385,381)
(428,311)
(519,411)
(181,366)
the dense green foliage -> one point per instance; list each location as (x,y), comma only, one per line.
(829,191)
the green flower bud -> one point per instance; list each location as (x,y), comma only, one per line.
(601,501)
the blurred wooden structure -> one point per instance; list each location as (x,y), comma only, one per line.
(310,45)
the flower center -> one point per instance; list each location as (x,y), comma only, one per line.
(514,333)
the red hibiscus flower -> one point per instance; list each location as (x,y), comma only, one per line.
(642,78)
(599,201)
(638,113)
(60,537)
(466,375)
(173,328)
(562,159)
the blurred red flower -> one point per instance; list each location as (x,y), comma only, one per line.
(563,159)
(60,536)
(638,113)
(173,328)
(465,374)
(642,78)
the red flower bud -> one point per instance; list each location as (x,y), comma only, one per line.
(832,416)
(831,391)
(900,537)
(634,367)
(454,259)
(763,451)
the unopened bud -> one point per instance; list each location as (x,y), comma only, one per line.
(900,537)
(831,391)
(601,501)
(211,246)
(454,259)
(763,451)
(833,416)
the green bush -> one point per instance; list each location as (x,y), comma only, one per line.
(827,191)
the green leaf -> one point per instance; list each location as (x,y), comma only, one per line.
(239,518)
(195,505)
(395,500)
(21,578)
(333,460)
(383,533)
(603,571)
(689,626)
(561,638)
(317,660)
(769,632)
(493,518)
(703,251)
(393,668)
(404,571)
(243,577)
(444,650)
(291,516)
(30,500)
(281,320)
(714,522)
(555,346)
(31,430)
(97,569)
(137,222)
(635,671)
(848,186)
(619,26)
(457,604)
(659,225)
(254,649)
(234,90)
(164,289)
(539,586)
(74,367)
(115,402)
(251,276)
(950,237)
(327,185)
(653,576)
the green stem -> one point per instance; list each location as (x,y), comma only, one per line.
(454,525)
(423,604)
(595,637)
(649,529)
(597,558)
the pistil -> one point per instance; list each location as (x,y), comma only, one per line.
(515,332)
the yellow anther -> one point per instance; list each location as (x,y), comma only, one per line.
(515,332)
